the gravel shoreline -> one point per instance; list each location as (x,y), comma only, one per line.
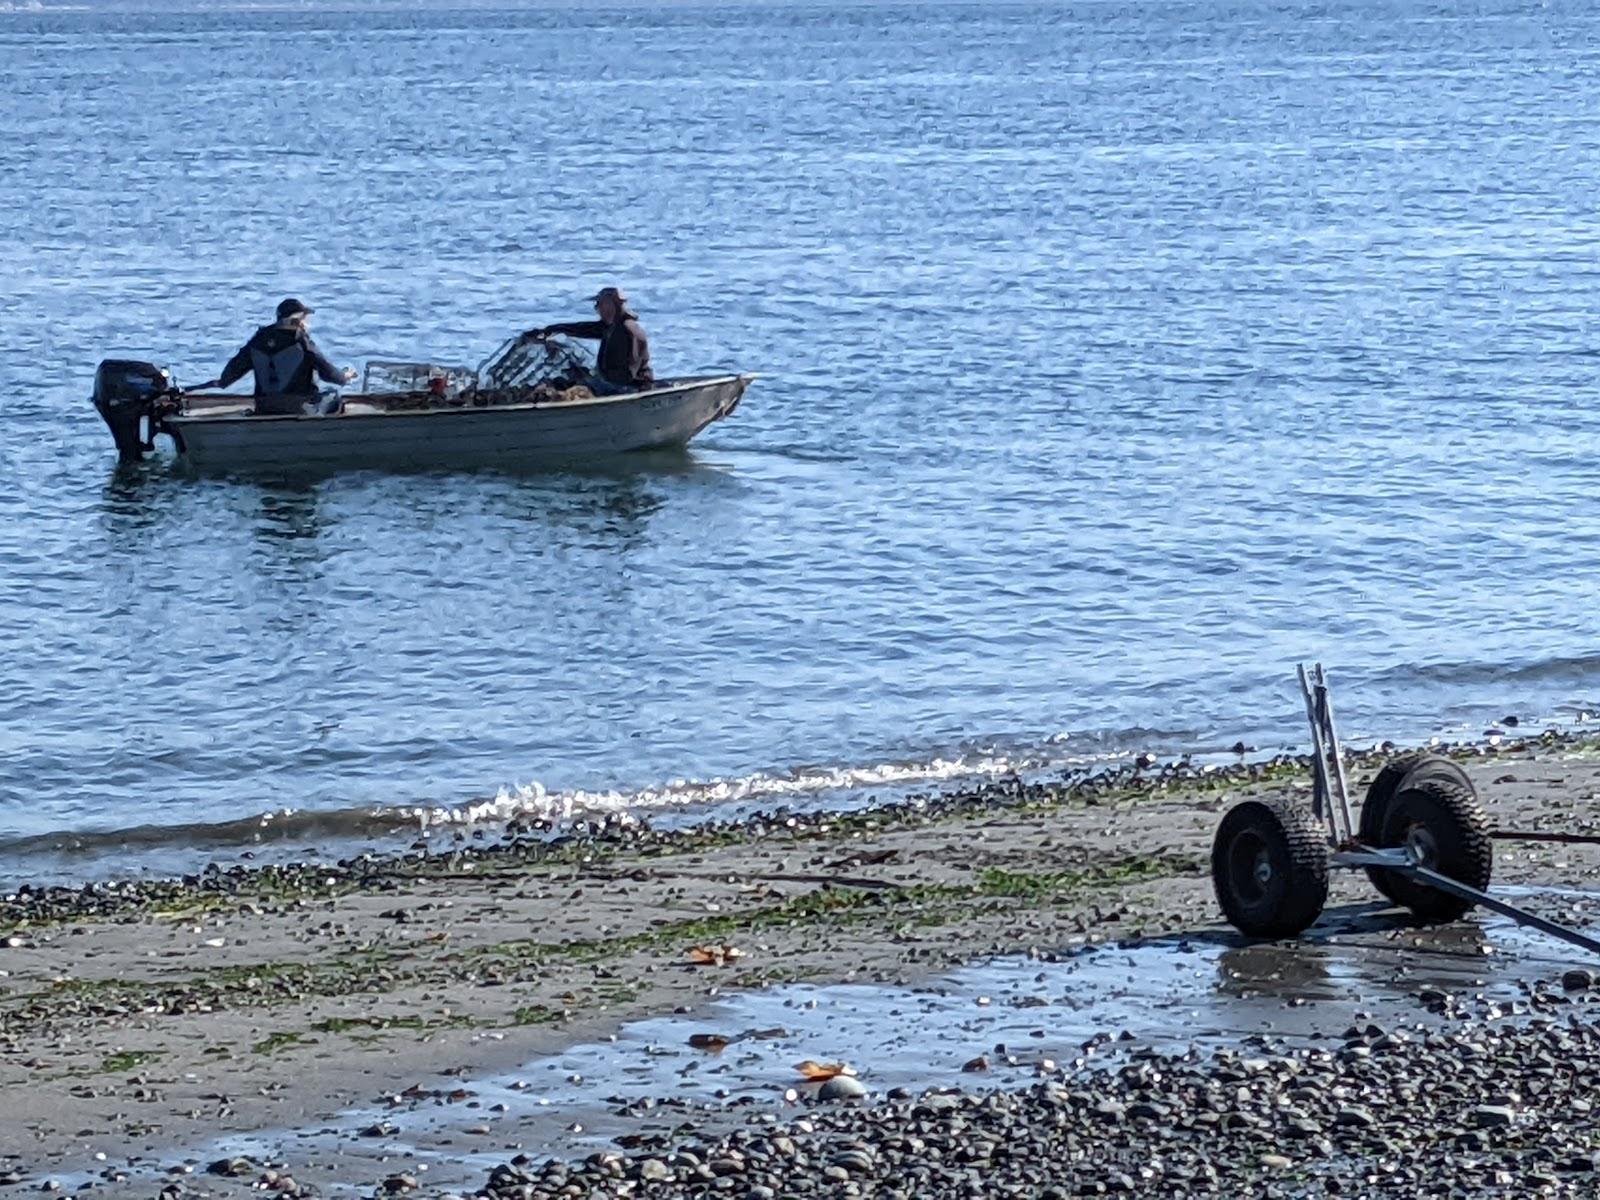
(1476,1108)
(530,843)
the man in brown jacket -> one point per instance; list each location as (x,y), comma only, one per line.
(623,362)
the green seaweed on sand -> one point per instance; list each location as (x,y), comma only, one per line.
(274,1042)
(346,1024)
(538,1014)
(378,970)
(128,1060)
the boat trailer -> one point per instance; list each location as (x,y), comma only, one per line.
(1422,838)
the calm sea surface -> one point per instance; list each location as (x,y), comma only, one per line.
(1115,357)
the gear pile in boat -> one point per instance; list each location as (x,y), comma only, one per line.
(522,371)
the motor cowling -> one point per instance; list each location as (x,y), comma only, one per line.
(130,396)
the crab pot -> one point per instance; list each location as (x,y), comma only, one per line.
(1269,864)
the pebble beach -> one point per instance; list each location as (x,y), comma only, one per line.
(198,1032)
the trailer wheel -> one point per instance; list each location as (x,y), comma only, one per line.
(1446,829)
(1269,864)
(1396,774)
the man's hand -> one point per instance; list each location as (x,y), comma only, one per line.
(349,374)
(535,335)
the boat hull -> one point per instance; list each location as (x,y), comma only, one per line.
(506,435)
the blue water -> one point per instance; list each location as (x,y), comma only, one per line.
(1115,357)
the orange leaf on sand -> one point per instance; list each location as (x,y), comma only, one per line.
(713,956)
(708,1041)
(820,1071)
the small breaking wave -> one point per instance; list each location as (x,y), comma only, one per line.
(809,784)
(534,802)
(532,806)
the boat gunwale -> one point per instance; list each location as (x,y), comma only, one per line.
(181,420)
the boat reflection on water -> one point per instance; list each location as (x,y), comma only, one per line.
(588,505)
(270,552)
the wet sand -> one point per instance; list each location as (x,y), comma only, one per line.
(308,1016)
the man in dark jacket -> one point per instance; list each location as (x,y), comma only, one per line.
(623,362)
(285,362)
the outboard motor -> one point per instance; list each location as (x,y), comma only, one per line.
(125,392)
